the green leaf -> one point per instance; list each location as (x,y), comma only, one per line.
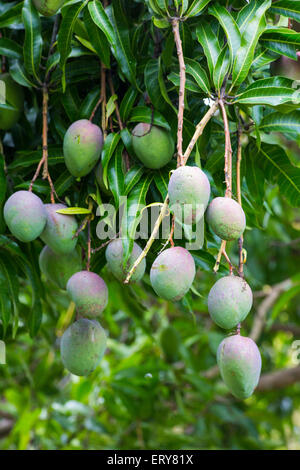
(229,26)
(18,73)
(282,40)
(221,68)
(277,122)
(263,58)
(12,16)
(97,38)
(278,169)
(255,177)
(194,69)
(69,17)
(101,19)
(144,114)
(74,211)
(245,55)
(289,8)
(115,174)
(33,43)
(127,103)
(161,179)
(108,149)
(270,91)
(2,180)
(10,48)
(210,44)
(196,7)
(132,177)
(151,76)
(8,270)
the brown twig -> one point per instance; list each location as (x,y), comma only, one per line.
(228,152)
(279,379)
(44,160)
(176,32)
(102,96)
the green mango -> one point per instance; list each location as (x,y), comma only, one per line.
(172,273)
(229,301)
(153,146)
(58,268)
(239,362)
(83,142)
(14,98)
(226,218)
(59,230)
(89,293)
(114,258)
(48,7)
(82,346)
(189,192)
(25,215)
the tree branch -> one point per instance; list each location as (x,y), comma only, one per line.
(278,379)
(265,306)
(175,27)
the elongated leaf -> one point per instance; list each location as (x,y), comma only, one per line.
(132,177)
(245,55)
(282,40)
(151,74)
(210,44)
(12,16)
(33,39)
(115,174)
(2,181)
(194,69)
(221,68)
(263,58)
(196,7)
(74,211)
(127,103)
(229,26)
(161,179)
(255,177)
(109,147)
(278,122)
(10,48)
(19,74)
(9,272)
(278,169)
(70,15)
(101,19)
(97,39)
(144,114)
(270,91)
(289,8)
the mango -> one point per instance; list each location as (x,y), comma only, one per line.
(239,362)
(114,258)
(48,7)
(89,293)
(13,98)
(189,192)
(153,146)
(82,146)
(82,346)
(172,273)
(58,268)
(229,301)
(226,218)
(59,230)
(25,215)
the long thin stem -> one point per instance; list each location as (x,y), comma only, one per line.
(102,93)
(228,152)
(164,210)
(176,32)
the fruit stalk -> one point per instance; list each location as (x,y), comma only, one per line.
(182,75)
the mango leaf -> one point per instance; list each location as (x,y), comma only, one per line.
(108,149)
(273,91)
(115,174)
(19,74)
(282,40)
(132,177)
(250,37)
(194,69)
(33,39)
(10,48)
(161,179)
(278,169)
(8,270)
(12,16)
(101,19)
(255,177)
(289,8)
(144,114)
(221,68)
(97,39)
(263,58)
(151,75)
(127,103)
(229,26)
(196,7)
(278,122)
(69,17)
(2,180)
(189,84)
(74,211)
(210,44)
